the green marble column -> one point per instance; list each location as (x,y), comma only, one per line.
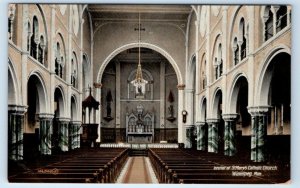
(63,134)
(74,135)
(229,134)
(258,133)
(201,136)
(189,136)
(261,137)
(45,133)
(15,132)
(213,136)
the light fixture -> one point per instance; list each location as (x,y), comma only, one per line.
(184,114)
(139,83)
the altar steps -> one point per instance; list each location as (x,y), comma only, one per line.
(138,152)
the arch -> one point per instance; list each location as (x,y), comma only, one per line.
(191,74)
(45,34)
(86,68)
(215,44)
(217,98)
(234,92)
(74,70)
(265,76)
(59,97)
(267,20)
(41,90)
(235,17)
(142,45)
(203,109)
(203,73)
(12,84)
(74,108)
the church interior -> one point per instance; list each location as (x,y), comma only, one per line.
(188,94)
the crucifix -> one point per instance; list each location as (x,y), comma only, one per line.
(139,83)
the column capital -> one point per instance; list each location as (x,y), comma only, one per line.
(198,123)
(181,86)
(45,116)
(258,110)
(213,120)
(230,117)
(63,119)
(189,126)
(17,109)
(76,122)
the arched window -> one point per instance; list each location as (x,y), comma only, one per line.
(268,18)
(41,51)
(218,62)
(204,79)
(235,51)
(242,34)
(34,38)
(11,17)
(58,61)
(216,67)
(74,71)
(28,36)
(281,18)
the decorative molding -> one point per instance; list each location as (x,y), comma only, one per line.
(213,120)
(258,110)
(230,117)
(17,109)
(45,116)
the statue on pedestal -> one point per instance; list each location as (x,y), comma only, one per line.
(109,100)
(171,117)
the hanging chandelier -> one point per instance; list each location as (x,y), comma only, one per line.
(139,83)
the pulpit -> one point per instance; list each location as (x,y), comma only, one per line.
(89,129)
(139,127)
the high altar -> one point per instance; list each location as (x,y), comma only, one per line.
(139,126)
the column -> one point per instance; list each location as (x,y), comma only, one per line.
(213,135)
(74,134)
(162,96)
(201,144)
(229,134)
(189,136)
(15,132)
(258,132)
(181,130)
(63,134)
(118,102)
(45,133)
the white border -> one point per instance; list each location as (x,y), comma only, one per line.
(295,90)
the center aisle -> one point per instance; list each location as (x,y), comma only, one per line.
(138,170)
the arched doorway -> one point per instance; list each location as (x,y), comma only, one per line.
(238,121)
(74,126)
(202,128)
(60,137)
(158,101)
(35,134)
(15,117)
(276,94)
(216,125)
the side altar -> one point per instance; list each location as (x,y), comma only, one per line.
(139,127)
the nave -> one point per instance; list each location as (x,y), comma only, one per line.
(146,165)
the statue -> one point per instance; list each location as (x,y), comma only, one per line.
(171,117)
(109,100)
